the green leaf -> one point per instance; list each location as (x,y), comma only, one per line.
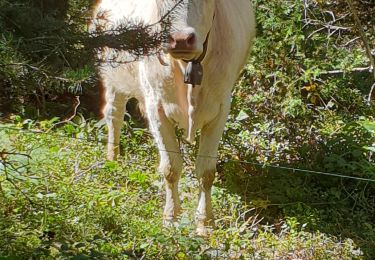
(369,126)
(370,148)
(242,115)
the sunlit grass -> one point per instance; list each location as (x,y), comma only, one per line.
(69,201)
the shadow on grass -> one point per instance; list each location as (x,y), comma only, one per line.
(344,208)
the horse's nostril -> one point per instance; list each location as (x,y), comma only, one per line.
(191,39)
(172,41)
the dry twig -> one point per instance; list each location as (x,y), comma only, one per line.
(365,41)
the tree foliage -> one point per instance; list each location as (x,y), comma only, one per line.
(303,102)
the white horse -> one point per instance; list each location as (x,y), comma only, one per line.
(208,46)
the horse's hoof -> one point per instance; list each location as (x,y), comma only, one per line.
(204,230)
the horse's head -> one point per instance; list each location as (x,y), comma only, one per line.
(191,22)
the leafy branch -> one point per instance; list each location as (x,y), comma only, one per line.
(8,166)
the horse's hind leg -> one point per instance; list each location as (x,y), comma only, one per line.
(114,112)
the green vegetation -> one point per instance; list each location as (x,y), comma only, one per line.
(301,102)
(61,198)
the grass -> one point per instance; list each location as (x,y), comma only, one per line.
(64,200)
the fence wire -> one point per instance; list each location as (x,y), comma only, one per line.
(270,166)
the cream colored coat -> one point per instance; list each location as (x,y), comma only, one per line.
(168,102)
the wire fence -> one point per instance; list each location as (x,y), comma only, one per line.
(257,164)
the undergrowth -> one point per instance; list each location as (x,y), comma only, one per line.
(62,199)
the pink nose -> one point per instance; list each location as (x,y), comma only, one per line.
(181,41)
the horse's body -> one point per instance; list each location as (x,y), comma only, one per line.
(228,29)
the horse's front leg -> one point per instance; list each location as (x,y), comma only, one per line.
(170,158)
(206,169)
